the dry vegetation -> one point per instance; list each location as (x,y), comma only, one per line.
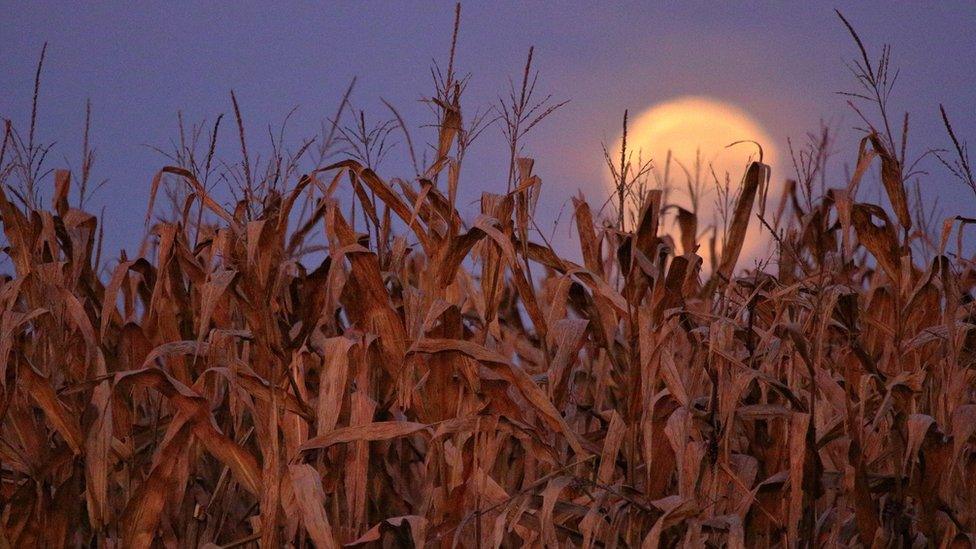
(433,381)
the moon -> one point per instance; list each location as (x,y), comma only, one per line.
(697,132)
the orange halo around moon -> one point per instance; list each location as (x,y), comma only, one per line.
(686,125)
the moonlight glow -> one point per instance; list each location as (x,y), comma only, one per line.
(686,126)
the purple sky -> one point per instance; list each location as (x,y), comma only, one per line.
(140,63)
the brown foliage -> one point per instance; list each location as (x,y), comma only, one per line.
(218,391)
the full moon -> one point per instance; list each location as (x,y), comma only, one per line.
(696,132)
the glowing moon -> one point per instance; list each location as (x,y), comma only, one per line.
(689,127)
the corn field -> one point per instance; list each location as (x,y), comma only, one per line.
(301,369)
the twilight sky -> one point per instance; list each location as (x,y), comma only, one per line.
(140,63)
